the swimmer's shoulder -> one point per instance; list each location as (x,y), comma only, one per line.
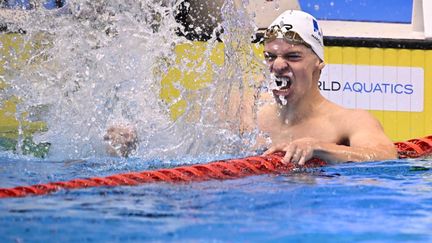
(342,116)
(355,118)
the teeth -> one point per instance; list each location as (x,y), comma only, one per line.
(284,82)
(281,83)
(276,83)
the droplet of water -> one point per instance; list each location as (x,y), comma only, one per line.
(316,7)
(283,100)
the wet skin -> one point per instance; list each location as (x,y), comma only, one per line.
(307,125)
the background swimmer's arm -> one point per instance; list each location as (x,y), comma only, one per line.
(233,109)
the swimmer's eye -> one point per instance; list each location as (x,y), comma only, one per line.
(269,56)
(293,56)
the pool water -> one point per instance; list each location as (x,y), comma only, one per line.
(92,65)
(386,201)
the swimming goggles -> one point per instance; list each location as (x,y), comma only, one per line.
(284,32)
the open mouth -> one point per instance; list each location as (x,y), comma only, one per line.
(283,85)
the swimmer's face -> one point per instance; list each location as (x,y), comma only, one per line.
(295,69)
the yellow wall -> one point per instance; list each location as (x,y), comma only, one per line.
(8,123)
(21,52)
(197,72)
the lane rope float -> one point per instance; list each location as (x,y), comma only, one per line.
(217,170)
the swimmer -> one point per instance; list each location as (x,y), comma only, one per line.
(300,121)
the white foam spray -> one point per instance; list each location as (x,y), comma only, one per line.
(101,63)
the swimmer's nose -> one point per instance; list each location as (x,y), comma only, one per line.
(279,65)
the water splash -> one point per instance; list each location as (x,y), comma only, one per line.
(98,63)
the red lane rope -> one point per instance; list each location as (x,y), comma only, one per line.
(415,148)
(224,169)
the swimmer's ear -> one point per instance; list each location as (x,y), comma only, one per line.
(321,65)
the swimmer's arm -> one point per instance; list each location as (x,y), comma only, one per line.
(367,142)
(341,153)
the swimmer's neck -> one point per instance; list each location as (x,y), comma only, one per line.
(302,110)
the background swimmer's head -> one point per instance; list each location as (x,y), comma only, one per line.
(297,27)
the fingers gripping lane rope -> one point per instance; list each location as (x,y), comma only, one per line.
(220,170)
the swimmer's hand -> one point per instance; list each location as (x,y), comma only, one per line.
(298,151)
(121,140)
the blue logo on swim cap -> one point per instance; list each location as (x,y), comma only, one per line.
(315,25)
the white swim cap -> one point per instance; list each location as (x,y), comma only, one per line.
(305,25)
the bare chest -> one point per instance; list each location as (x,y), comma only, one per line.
(280,131)
(322,132)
